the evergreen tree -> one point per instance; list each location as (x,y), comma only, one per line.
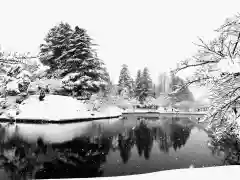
(146,84)
(106,87)
(56,43)
(125,81)
(70,54)
(138,85)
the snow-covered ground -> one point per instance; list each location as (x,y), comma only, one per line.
(55,107)
(220,173)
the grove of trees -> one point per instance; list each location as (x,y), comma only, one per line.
(143,86)
(125,82)
(71,57)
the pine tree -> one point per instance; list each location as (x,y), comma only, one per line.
(138,85)
(146,84)
(125,81)
(70,54)
(56,43)
(106,87)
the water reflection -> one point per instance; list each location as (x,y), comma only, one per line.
(229,148)
(29,152)
(125,144)
(78,158)
(179,136)
(144,139)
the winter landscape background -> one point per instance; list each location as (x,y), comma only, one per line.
(118,88)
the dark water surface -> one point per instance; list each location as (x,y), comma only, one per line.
(105,148)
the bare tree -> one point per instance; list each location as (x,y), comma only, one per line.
(217,66)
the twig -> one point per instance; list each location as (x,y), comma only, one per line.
(234,49)
(195,65)
(205,46)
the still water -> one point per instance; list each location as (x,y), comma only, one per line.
(126,146)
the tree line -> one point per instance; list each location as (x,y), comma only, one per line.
(143,87)
(72,58)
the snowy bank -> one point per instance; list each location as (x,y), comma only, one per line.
(220,173)
(57,108)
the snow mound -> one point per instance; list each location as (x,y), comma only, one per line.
(13,87)
(56,107)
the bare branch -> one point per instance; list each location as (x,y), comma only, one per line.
(195,65)
(205,46)
(188,84)
(234,49)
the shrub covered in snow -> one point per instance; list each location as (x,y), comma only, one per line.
(20,74)
(12,87)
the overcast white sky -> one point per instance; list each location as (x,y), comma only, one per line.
(140,33)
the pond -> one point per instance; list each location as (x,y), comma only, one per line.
(115,147)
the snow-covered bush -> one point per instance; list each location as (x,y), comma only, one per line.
(12,87)
(95,102)
(81,85)
(20,71)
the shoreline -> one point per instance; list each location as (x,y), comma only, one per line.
(87,119)
(63,121)
(165,113)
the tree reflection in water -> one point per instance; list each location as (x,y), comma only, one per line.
(144,140)
(84,156)
(80,158)
(143,137)
(179,136)
(77,158)
(164,143)
(230,147)
(125,145)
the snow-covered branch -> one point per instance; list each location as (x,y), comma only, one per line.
(217,64)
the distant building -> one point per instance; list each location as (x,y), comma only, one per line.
(202,104)
(202,108)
